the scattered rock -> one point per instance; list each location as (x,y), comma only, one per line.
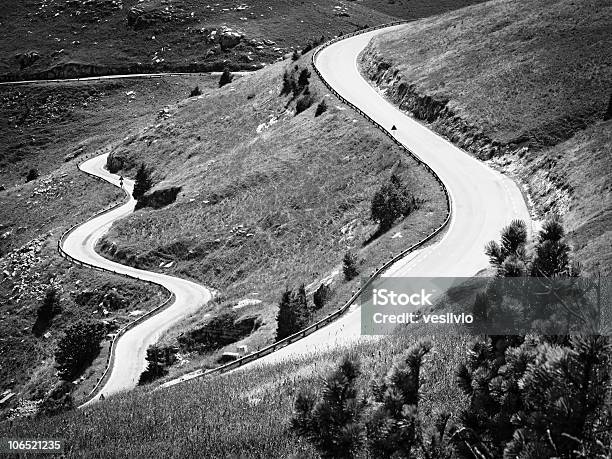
(26,59)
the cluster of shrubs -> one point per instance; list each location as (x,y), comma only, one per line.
(297,84)
(32,175)
(313,44)
(224,329)
(159,358)
(295,311)
(392,201)
(524,396)
(107,296)
(77,348)
(48,309)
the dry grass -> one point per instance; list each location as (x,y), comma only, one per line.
(243,414)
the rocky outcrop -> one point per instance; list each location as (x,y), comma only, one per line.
(26,59)
(224,36)
(140,17)
(229,39)
(430,109)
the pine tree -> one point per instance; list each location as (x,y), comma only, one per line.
(392,201)
(339,422)
(32,175)
(143,182)
(509,256)
(285,317)
(321,295)
(49,306)
(156,365)
(288,84)
(532,398)
(293,313)
(349,266)
(393,426)
(332,423)
(321,108)
(46,311)
(551,256)
(564,394)
(226,78)
(303,78)
(608,114)
(78,347)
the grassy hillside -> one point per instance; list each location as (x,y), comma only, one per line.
(33,218)
(270,199)
(49,127)
(526,84)
(130,35)
(46,124)
(243,414)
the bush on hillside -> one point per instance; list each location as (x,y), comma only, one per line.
(340,422)
(321,108)
(295,56)
(536,398)
(550,257)
(114,163)
(321,296)
(48,309)
(303,103)
(158,359)
(304,78)
(226,78)
(332,421)
(159,198)
(32,175)
(78,347)
(288,84)
(143,183)
(293,313)
(195,92)
(218,332)
(312,44)
(392,201)
(349,266)
(58,400)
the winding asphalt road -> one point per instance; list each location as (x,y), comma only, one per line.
(131,347)
(483,201)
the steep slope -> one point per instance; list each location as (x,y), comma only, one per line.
(517,83)
(51,127)
(65,38)
(269,198)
